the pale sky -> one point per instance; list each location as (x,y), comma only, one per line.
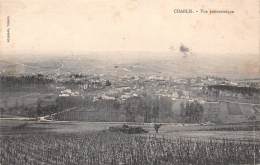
(64,27)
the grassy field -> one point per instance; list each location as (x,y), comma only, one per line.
(76,143)
(231,132)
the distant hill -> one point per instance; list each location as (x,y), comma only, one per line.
(174,65)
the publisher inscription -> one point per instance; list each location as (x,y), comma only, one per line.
(8,29)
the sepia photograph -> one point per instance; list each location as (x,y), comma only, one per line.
(129,82)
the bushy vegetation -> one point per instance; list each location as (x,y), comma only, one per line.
(128,129)
(235,89)
(33,81)
(191,112)
(104,148)
(151,108)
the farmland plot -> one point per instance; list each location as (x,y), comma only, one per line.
(103,147)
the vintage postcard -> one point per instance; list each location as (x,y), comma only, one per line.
(129,82)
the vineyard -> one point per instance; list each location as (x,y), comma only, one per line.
(106,148)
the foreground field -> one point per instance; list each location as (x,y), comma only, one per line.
(32,142)
(103,148)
